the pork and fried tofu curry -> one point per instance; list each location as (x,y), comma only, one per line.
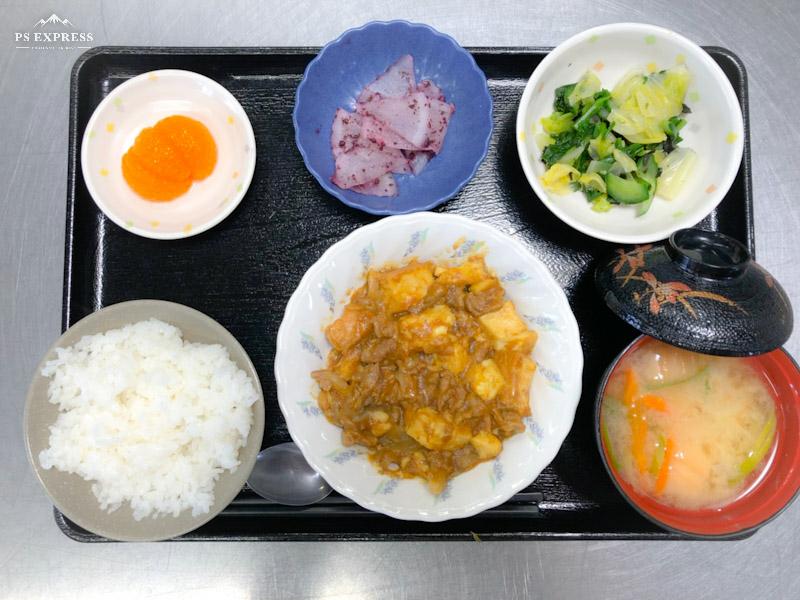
(430,370)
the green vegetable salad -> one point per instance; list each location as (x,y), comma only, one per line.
(618,147)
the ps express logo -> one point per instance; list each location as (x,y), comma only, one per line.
(52,33)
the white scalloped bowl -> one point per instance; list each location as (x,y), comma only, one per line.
(714,129)
(320,298)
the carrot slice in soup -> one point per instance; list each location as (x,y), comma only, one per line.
(663,474)
(631,388)
(655,402)
(637,422)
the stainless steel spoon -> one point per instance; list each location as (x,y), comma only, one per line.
(282,475)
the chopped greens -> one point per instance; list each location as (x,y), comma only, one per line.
(562,104)
(673,126)
(562,143)
(620,146)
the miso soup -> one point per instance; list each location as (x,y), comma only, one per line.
(690,430)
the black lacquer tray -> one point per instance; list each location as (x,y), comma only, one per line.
(243,271)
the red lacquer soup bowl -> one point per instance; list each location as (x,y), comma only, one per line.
(777,486)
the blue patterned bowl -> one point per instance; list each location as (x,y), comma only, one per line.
(341,70)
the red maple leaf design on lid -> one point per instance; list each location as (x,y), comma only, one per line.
(633,258)
(660,293)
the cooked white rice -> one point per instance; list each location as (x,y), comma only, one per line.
(149,418)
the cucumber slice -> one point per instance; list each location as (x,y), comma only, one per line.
(757,454)
(612,456)
(658,455)
(627,191)
(643,207)
(647,170)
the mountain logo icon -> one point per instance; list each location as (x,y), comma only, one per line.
(53,19)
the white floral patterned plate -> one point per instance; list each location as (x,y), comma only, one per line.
(320,298)
(141,102)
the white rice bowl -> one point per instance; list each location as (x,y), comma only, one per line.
(150,418)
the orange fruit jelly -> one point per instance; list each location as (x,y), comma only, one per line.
(168,157)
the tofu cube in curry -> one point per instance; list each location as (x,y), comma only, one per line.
(379,422)
(518,370)
(404,287)
(431,429)
(485,379)
(454,358)
(486,444)
(508,330)
(429,330)
(350,328)
(470,272)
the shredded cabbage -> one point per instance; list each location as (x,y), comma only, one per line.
(623,160)
(676,169)
(557,123)
(601,204)
(618,147)
(641,104)
(601,147)
(593,181)
(542,140)
(587,86)
(557,179)
(572,155)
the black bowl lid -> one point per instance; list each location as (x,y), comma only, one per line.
(699,290)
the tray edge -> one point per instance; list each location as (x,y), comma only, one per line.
(73,142)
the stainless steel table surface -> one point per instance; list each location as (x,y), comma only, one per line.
(38,561)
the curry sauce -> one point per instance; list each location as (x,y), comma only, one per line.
(430,369)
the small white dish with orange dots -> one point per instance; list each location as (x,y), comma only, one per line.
(714,130)
(141,102)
